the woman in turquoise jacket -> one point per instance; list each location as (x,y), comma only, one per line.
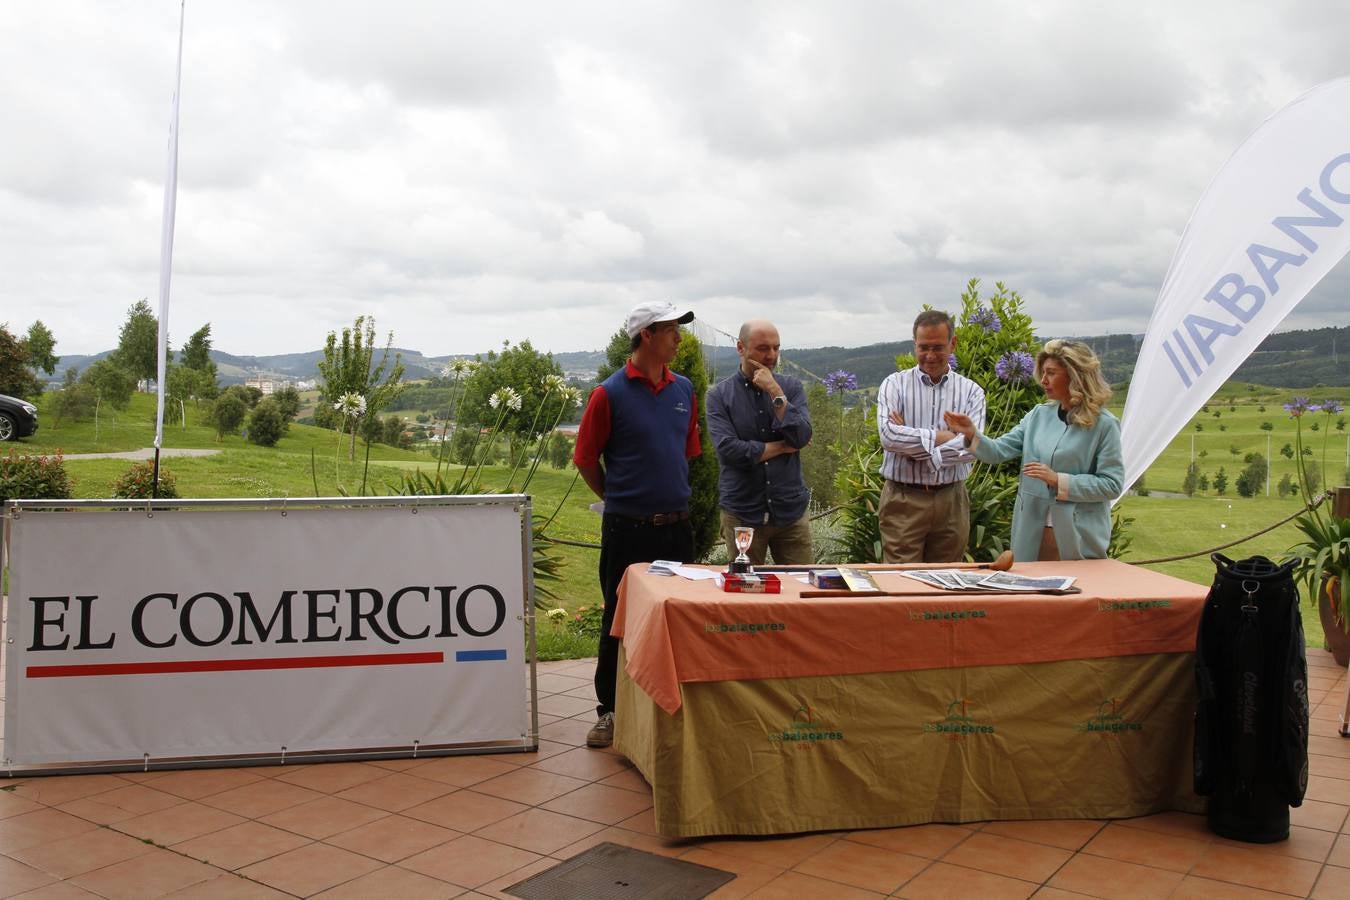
(1071,460)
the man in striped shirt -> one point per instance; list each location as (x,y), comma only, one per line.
(925,514)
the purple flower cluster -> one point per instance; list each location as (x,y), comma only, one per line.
(986,319)
(839,381)
(951,362)
(1015,365)
(1298,406)
(1333,406)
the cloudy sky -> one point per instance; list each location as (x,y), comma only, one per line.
(470,173)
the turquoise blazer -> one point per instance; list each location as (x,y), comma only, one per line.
(1091,474)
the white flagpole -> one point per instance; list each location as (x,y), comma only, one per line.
(166,246)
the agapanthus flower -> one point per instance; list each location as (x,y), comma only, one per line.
(986,319)
(1298,406)
(951,362)
(557,613)
(350,403)
(1333,407)
(553,382)
(458,367)
(1015,365)
(570,395)
(505,396)
(839,381)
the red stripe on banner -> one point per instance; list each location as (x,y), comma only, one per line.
(235,665)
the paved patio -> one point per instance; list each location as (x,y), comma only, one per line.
(471,826)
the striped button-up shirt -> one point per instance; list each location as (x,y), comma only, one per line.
(913,455)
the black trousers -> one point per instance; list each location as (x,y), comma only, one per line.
(622,543)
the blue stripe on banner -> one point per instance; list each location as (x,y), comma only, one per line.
(478,655)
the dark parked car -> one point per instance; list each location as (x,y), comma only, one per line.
(18,418)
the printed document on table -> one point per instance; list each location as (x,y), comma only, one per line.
(1007,581)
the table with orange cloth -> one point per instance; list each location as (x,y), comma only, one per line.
(775,713)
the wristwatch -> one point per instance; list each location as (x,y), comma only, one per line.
(780,401)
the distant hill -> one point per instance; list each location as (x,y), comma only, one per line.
(1305,358)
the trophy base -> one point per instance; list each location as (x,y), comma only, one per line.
(736,567)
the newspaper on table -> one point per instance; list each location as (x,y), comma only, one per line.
(976,580)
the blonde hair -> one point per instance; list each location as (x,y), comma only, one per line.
(1088,390)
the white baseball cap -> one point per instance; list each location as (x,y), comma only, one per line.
(645,315)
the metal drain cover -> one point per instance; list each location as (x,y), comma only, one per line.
(612,872)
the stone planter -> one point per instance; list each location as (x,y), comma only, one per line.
(1337,640)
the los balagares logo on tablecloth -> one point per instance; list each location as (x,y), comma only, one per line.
(1108,720)
(958,723)
(806,728)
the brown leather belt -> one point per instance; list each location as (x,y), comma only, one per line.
(928,488)
(658,519)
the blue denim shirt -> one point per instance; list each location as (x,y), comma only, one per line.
(741,422)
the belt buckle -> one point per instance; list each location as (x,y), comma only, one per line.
(661,519)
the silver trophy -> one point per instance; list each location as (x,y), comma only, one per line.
(745,536)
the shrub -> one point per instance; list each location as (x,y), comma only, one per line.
(135,483)
(33,477)
(267,423)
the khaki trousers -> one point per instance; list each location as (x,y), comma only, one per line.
(924,526)
(790,544)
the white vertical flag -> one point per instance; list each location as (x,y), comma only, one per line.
(166,237)
(1271,225)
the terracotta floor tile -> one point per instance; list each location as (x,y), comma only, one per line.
(1186,825)
(644,822)
(330,778)
(135,799)
(396,792)
(869,868)
(57,789)
(17,877)
(1147,848)
(564,707)
(1193,888)
(40,827)
(1007,856)
(567,731)
(1266,871)
(1066,834)
(928,841)
(1316,814)
(1303,843)
(629,780)
(320,818)
(1332,884)
(240,845)
(260,798)
(149,875)
(227,886)
(552,683)
(624,838)
(530,786)
(392,838)
(11,804)
(463,771)
(81,853)
(547,749)
(469,861)
(1050,893)
(585,764)
(401,764)
(91,810)
(1328,745)
(794,886)
(465,810)
(310,869)
(178,823)
(606,805)
(1340,851)
(496,888)
(1329,790)
(1100,877)
(59,890)
(784,852)
(392,881)
(941,881)
(1329,766)
(538,830)
(193,784)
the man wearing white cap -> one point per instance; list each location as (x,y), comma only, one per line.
(637,435)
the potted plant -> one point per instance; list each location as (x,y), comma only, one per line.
(1324,553)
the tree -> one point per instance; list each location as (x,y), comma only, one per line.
(1266,426)
(111,383)
(348,367)
(138,342)
(534,375)
(74,400)
(1252,479)
(40,343)
(1192,479)
(559,450)
(392,431)
(266,424)
(1221,482)
(228,413)
(196,357)
(16,378)
(288,401)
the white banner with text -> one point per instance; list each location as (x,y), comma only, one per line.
(1271,224)
(217,631)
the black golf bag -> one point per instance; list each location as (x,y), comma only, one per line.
(1251,718)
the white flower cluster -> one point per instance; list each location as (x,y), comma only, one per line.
(505,396)
(350,403)
(553,383)
(460,367)
(557,614)
(570,395)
